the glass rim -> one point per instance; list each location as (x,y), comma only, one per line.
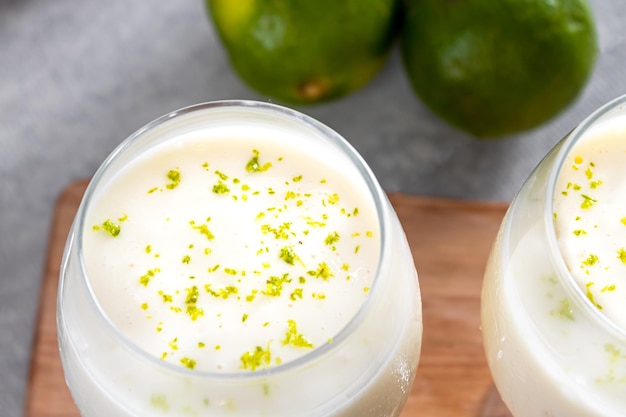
(281,113)
(572,288)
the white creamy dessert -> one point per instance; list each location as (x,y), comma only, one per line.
(236,262)
(553,302)
(590,217)
(203,240)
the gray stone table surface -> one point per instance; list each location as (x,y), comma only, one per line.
(77,77)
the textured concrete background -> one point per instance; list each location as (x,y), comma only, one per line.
(78,77)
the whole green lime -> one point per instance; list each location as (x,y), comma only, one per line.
(496,67)
(305,51)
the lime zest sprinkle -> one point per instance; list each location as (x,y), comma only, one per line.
(595,184)
(174,177)
(610,287)
(621,254)
(145,279)
(108,226)
(293,338)
(222,176)
(203,229)
(259,357)
(173,344)
(222,293)
(192,295)
(590,295)
(274,285)
(591,260)
(254,165)
(295,294)
(188,362)
(332,238)
(167,298)
(323,271)
(588,202)
(221,188)
(288,255)
(280,232)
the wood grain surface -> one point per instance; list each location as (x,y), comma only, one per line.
(450,241)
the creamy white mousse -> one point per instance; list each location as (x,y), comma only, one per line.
(555,277)
(237,259)
(590,217)
(222,253)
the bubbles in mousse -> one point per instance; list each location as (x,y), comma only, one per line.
(590,217)
(229,254)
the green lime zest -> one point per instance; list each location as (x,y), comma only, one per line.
(174,177)
(188,362)
(108,226)
(621,254)
(257,358)
(332,238)
(254,165)
(145,279)
(323,271)
(293,338)
(295,294)
(591,260)
(588,202)
(274,285)
(203,229)
(221,188)
(288,255)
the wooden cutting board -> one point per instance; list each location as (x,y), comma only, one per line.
(450,241)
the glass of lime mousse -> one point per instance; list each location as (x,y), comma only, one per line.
(237,258)
(554,295)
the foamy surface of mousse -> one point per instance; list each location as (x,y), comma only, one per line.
(590,216)
(230,254)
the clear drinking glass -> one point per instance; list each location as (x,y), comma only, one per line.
(108,375)
(550,350)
